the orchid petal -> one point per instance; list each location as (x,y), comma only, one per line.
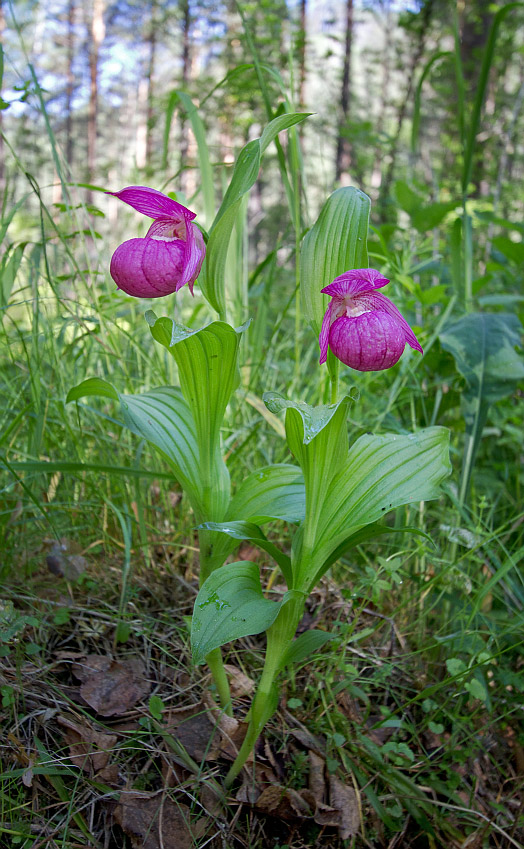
(355,282)
(323,339)
(148,268)
(193,258)
(372,341)
(152,203)
(380,302)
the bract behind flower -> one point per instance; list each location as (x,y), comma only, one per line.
(363,328)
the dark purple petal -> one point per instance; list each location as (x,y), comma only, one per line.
(194,256)
(152,203)
(148,268)
(372,341)
(380,302)
(355,282)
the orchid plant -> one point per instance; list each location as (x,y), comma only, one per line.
(334,495)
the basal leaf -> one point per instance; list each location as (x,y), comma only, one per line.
(230,605)
(92,386)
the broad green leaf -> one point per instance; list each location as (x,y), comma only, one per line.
(272,492)
(380,474)
(280,123)
(93,386)
(368,532)
(336,243)
(430,215)
(483,346)
(306,645)
(245,174)
(317,438)
(163,418)
(514,251)
(230,605)
(247,530)
(208,373)
(406,197)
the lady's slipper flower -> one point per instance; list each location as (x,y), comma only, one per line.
(169,256)
(363,328)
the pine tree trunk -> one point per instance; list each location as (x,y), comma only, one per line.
(151,83)
(186,73)
(97,34)
(70,85)
(416,56)
(343,155)
(301,46)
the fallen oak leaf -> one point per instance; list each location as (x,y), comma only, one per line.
(154,821)
(111,687)
(88,748)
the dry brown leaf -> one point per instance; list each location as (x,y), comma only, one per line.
(110,775)
(110,686)
(344,800)
(196,731)
(154,821)
(231,732)
(284,803)
(317,783)
(64,559)
(88,748)
(240,684)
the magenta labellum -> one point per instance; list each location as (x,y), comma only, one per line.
(363,328)
(170,254)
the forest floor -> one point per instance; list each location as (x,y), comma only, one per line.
(113,739)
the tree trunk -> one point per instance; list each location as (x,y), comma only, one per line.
(186,73)
(416,56)
(151,83)
(2,150)
(97,33)
(343,155)
(301,48)
(70,85)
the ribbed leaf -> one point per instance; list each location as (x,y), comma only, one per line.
(247,530)
(230,605)
(336,243)
(163,418)
(483,346)
(208,373)
(272,492)
(245,173)
(380,474)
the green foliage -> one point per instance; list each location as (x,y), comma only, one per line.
(230,605)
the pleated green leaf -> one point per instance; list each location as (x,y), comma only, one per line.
(163,418)
(230,605)
(239,530)
(380,474)
(207,361)
(336,243)
(245,173)
(272,492)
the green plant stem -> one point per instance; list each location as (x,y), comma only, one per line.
(279,638)
(214,658)
(216,665)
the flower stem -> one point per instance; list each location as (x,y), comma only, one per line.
(214,658)
(265,703)
(216,665)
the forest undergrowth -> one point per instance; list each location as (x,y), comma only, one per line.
(403,726)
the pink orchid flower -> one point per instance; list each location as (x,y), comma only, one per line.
(363,328)
(169,256)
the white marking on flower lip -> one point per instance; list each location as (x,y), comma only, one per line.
(352,308)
